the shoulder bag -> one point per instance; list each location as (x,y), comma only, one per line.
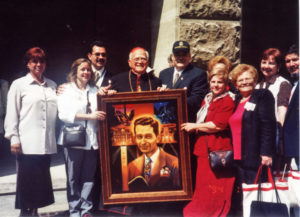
(75,135)
(219,159)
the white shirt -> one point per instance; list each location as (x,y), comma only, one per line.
(99,75)
(31,115)
(73,101)
(153,158)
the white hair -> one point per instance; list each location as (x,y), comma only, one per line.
(134,49)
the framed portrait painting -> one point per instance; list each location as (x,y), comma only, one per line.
(144,156)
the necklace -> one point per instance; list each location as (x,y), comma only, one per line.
(131,84)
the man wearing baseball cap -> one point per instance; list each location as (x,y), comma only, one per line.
(185,75)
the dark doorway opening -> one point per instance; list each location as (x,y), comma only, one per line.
(268,23)
(65,28)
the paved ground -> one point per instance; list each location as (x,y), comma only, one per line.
(60,207)
(8,187)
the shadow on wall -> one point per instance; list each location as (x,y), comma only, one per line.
(65,28)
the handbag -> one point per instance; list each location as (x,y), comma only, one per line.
(220,159)
(265,199)
(75,135)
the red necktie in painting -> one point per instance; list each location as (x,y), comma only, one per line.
(147,168)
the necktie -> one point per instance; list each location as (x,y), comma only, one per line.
(138,84)
(176,78)
(147,168)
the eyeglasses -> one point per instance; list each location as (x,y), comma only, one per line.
(244,80)
(41,61)
(100,54)
(140,59)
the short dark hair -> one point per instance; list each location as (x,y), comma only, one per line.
(35,53)
(293,49)
(97,43)
(147,120)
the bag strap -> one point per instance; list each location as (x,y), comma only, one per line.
(270,179)
(258,175)
(206,142)
(87,107)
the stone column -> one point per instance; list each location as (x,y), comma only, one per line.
(211,27)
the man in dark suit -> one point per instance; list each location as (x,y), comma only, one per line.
(185,75)
(291,123)
(98,56)
(157,168)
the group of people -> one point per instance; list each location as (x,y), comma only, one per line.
(227,110)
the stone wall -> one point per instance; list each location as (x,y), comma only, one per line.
(212,28)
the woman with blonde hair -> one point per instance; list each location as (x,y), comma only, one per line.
(77,105)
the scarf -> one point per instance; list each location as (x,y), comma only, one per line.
(201,114)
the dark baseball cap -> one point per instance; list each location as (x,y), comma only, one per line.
(181,46)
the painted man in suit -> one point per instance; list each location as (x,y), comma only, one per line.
(184,75)
(291,123)
(158,168)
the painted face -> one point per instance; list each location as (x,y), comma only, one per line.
(98,57)
(146,139)
(138,62)
(217,85)
(181,59)
(292,63)
(36,67)
(245,83)
(83,73)
(268,67)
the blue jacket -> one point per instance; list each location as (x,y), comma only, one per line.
(291,127)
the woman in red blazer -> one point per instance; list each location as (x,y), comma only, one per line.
(212,196)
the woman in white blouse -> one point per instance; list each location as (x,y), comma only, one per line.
(30,127)
(78,105)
